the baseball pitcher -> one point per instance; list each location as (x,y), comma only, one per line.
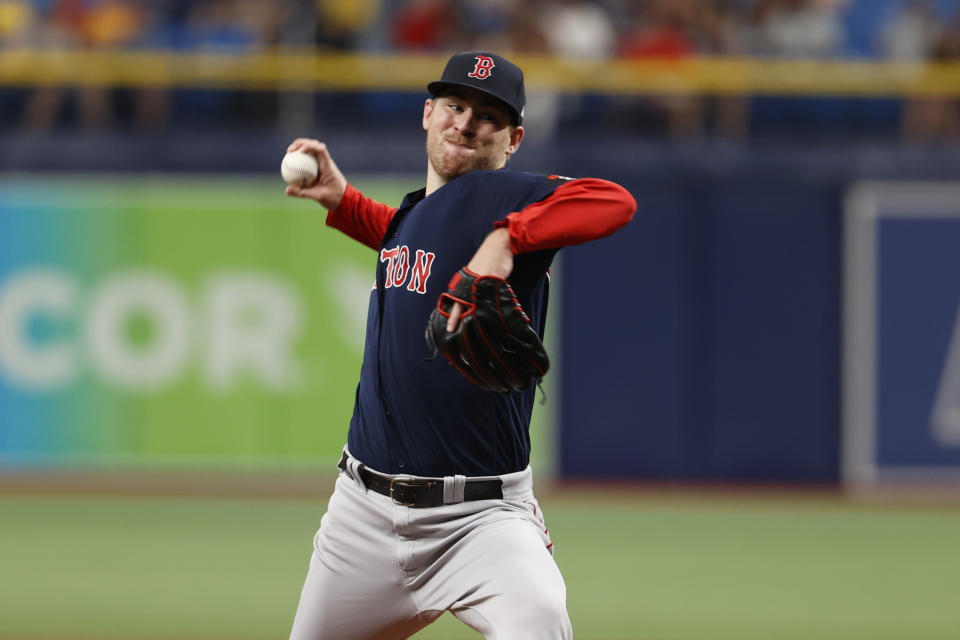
(434,509)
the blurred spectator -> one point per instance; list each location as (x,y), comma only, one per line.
(682,29)
(578,29)
(912,32)
(717,32)
(92,25)
(663,30)
(112,24)
(717,27)
(424,25)
(231,27)
(485,24)
(798,28)
(224,25)
(17,21)
(545,105)
(586,30)
(340,24)
(935,118)
(525,30)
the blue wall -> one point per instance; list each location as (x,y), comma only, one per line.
(717,350)
(703,340)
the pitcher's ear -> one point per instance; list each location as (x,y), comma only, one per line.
(427,112)
(515,137)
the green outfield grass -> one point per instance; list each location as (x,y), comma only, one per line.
(637,566)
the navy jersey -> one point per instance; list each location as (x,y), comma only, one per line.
(418,416)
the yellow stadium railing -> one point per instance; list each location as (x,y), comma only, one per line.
(307,70)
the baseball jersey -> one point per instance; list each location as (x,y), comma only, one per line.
(417,415)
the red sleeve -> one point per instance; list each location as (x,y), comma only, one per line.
(577,211)
(361,218)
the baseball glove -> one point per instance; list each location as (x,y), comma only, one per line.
(493,346)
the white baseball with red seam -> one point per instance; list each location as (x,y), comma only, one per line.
(298,168)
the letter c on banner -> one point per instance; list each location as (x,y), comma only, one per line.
(27,296)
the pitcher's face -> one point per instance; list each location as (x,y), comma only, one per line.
(468,130)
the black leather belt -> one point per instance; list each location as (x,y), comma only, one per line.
(422,492)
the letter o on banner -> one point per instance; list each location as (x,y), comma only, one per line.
(147,366)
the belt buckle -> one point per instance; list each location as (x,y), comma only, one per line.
(405,481)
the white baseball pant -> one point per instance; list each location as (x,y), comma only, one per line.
(381,571)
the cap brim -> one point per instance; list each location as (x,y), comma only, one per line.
(435,88)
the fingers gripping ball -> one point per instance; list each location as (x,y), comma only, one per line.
(493,346)
(299,168)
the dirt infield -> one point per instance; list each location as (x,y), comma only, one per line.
(168,483)
(317,484)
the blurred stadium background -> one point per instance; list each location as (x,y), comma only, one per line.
(752,430)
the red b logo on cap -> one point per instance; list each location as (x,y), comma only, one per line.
(483,69)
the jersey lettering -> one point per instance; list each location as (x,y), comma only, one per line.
(399,268)
(483,69)
(390,257)
(403,266)
(421,271)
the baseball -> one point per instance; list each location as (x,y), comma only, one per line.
(298,168)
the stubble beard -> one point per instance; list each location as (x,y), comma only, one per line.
(448,166)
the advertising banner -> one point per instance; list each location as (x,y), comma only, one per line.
(170,320)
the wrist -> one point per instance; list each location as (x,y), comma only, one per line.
(494,256)
(347,200)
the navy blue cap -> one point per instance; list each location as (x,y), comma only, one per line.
(485,72)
